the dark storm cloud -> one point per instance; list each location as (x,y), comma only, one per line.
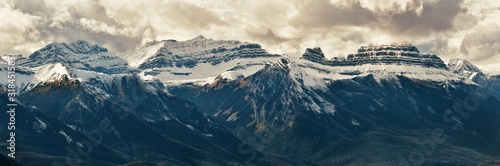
(434,17)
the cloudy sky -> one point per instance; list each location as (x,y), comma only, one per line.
(449,28)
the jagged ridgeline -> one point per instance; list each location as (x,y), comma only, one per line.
(225,102)
(79,54)
(378,54)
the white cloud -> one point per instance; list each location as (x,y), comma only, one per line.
(482,44)
(16,28)
(281,26)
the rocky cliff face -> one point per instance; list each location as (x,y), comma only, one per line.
(381,54)
(189,53)
(468,71)
(314,54)
(372,107)
(288,110)
(79,54)
(198,60)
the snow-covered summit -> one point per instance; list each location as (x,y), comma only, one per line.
(199,60)
(379,54)
(5,58)
(468,71)
(403,60)
(50,72)
(75,47)
(78,54)
(462,66)
(189,53)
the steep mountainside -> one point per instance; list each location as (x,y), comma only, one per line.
(118,116)
(402,60)
(468,71)
(197,61)
(380,54)
(224,102)
(374,113)
(78,54)
(136,111)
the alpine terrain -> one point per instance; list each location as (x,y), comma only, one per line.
(225,102)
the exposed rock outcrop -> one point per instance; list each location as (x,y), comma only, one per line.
(381,54)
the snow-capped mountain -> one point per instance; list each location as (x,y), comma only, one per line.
(40,136)
(61,91)
(313,108)
(379,54)
(79,60)
(224,102)
(284,110)
(198,61)
(403,60)
(137,111)
(463,68)
(79,54)
(468,71)
(170,53)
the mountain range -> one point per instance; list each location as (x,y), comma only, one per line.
(226,102)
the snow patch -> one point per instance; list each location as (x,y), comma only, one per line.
(190,127)
(231,75)
(410,71)
(79,145)
(233,117)
(143,54)
(355,122)
(166,118)
(149,120)
(205,73)
(39,126)
(68,138)
(49,72)
(72,127)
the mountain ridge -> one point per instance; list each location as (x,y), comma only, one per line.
(217,100)
(378,54)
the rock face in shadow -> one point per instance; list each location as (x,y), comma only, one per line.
(6,161)
(365,119)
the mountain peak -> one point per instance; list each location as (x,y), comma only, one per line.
(405,54)
(199,37)
(391,47)
(314,54)
(195,51)
(83,47)
(78,54)
(459,65)
(75,47)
